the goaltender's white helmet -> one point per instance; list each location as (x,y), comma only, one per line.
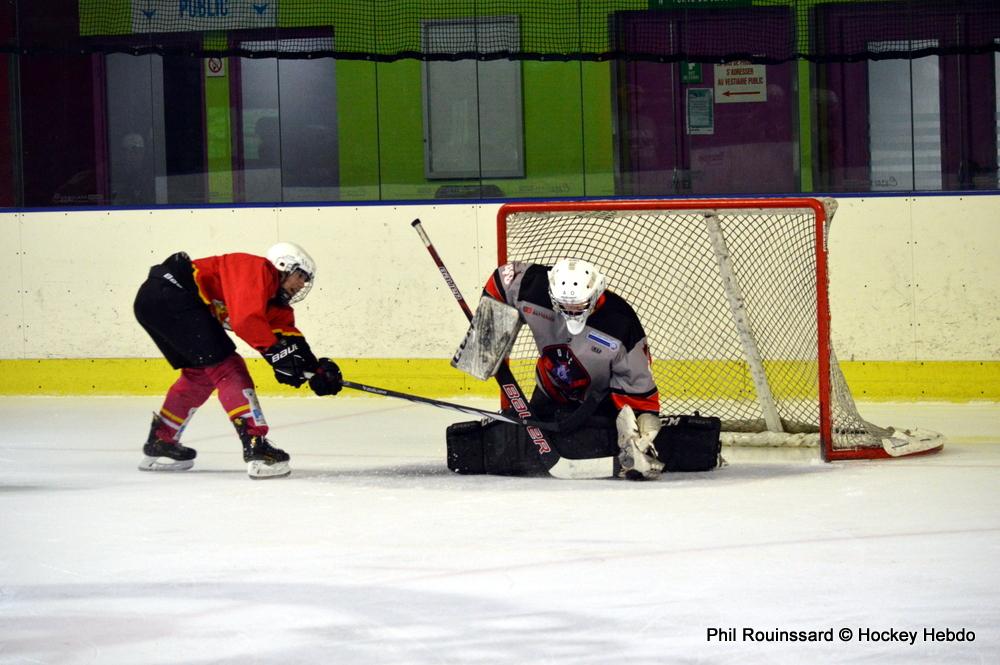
(575,287)
(288,257)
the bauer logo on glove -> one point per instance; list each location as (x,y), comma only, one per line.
(290,361)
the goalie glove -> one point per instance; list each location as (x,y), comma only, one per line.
(290,358)
(638,457)
(649,426)
(327,380)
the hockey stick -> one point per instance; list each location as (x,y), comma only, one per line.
(508,384)
(492,415)
(564,468)
(441,267)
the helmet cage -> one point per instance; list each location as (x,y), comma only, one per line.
(301,293)
(575,314)
(575,287)
(288,258)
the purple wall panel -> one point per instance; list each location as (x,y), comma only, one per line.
(751,149)
(968,105)
(654,150)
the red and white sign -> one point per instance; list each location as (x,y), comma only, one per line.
(736,82)
(215,67)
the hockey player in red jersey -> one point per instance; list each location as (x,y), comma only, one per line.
(186,305)
(592,350)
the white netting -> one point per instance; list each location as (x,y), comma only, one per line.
(664,264)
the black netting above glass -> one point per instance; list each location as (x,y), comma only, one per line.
(386,30)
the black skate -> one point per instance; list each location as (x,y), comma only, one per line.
(263,460)
(162,455)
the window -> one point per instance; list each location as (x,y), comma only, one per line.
(473,121)
(905,121)
(288,124)
(156,139)
(136,129)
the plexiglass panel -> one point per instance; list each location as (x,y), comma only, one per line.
(473,123)
(905,123)
(289,126)
(136,140)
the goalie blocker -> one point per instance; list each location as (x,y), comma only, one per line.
(488,342)
(684,443)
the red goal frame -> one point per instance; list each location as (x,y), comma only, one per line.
(823,344)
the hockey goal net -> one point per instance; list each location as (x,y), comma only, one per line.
(733,297)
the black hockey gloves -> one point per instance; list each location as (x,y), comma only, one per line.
(290,359)
(327,379)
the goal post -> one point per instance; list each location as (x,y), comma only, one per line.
(733,295)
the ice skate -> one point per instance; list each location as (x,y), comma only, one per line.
(163,455)
(263,460)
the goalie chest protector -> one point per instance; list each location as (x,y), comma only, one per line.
(689,443)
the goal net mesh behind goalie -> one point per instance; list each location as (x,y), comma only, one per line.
(732,296)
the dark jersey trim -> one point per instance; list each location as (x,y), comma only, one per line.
(617,318)
(535,286)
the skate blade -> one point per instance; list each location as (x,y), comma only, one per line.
(164,464)
(260,470)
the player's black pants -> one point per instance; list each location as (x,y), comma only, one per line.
(182,326)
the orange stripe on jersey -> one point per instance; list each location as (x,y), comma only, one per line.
(495,291)
(650,402)
(286,333)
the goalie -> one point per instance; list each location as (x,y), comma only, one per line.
(593,363)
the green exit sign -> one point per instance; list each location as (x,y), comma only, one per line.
(697,4)
(690,72)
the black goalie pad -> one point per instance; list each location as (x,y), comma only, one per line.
(689,443)
(495,447)
(465,447)
(504,449)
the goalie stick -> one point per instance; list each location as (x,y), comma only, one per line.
(564,468)
(505,378)
(508,384)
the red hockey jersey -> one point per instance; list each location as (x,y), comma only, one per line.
(240,289)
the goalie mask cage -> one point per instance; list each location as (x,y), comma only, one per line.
(733,296)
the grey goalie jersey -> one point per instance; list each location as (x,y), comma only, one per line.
(609,357)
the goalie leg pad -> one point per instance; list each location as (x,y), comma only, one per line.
(689,443)
(496,448)
(465,447)
(597,438)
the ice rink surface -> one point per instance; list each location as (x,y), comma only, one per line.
(373,552)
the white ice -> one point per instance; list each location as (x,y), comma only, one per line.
(373,552)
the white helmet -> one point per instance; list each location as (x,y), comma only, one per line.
(288,257)
(575,286)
